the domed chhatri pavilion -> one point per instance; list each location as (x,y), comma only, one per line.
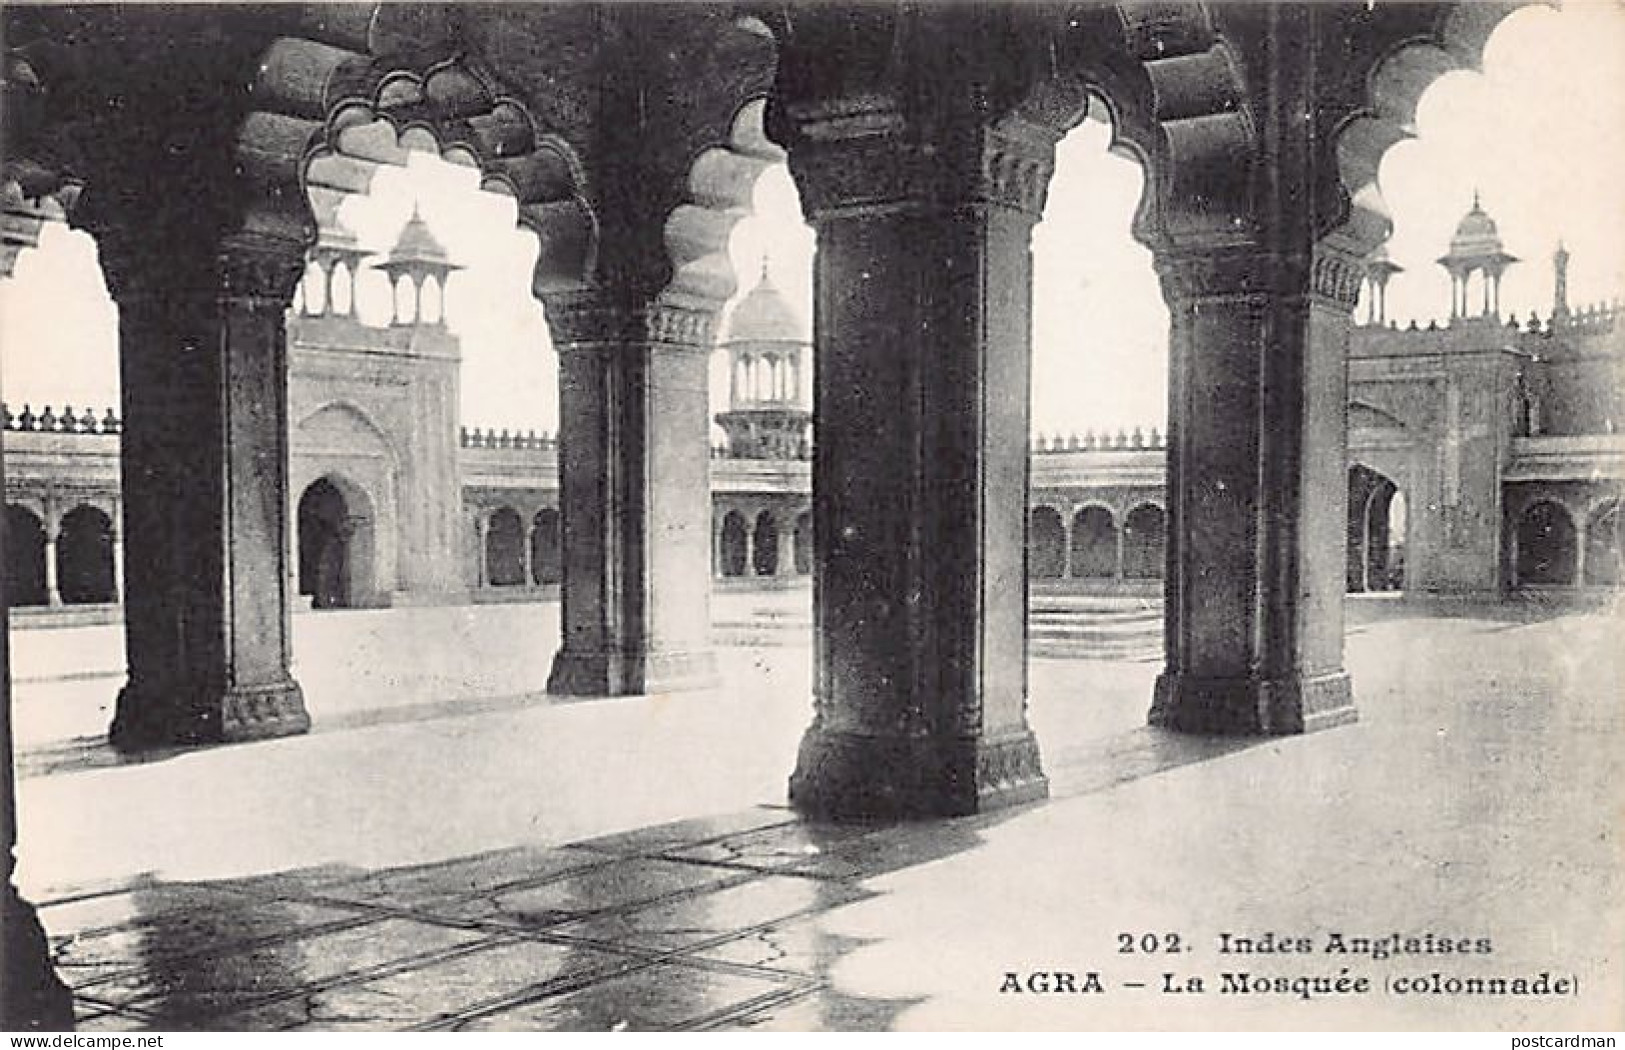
(1476,248)
(767,344)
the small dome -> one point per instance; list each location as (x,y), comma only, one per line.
(417,244)
(765,316)
(1475,234)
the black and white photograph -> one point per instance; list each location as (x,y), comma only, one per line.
(813,516)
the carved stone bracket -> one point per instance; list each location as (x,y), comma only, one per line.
(864,156)
(592,319)
(1335,277)
(1016,168)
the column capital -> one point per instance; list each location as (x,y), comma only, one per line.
(860,157)
(248,270)
(592,319)
(1233,270)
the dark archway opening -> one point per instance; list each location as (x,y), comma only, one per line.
(25,557)
(546,554)
(1046,544)
(765,556)
(1546,546)
(1094,543)
(733,553)
(1144,530)
(1376,532)
(324,546)
(84,557)
(803,540)
(505,548)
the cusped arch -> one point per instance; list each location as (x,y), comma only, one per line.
(721,179)
(356,113)
(1393,56)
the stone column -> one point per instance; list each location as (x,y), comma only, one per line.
(203,361)
(786,566)
(482,524)
(527,553)
(53,592)
(1579,549)
(634,494)
(1258,491)
(923,308)
(118,567)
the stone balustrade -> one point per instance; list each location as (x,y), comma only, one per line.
(48,421)
(1135,440)
(476,437)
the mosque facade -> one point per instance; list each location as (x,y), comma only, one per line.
(1484,457)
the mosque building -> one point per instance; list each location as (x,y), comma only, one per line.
(1484,456)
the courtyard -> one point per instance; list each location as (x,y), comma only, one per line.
(451,849)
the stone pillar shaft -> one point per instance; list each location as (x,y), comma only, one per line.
(53,591)
(634,495)
(205,476)
(1258,493)
(920,486)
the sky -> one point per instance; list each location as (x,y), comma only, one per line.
(1545,167)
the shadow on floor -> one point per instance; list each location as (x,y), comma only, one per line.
(707,923)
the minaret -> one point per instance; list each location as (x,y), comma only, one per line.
(767,348)
(418,267)
(1560,283)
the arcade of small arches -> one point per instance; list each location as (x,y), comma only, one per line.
(765,377)
(762,542)
(1557,541)
(70,556)
(518,548)
(1096,542)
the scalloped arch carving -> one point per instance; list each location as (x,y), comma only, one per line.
(1421,45)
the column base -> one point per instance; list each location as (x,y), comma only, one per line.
(151,715)
(841,776)
(600,673)
(32,997)
(1252,706)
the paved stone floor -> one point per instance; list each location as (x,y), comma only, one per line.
(467,863)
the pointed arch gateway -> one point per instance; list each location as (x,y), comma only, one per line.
(84,557)
(336,535)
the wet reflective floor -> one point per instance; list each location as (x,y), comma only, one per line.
(699,924)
